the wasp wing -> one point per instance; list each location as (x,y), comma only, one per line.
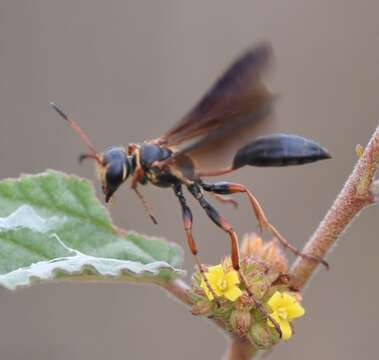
(228,115)
(238,93)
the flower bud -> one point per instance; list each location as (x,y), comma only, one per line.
(245,302)
(270,253)
(199,292)
(258,286)
(262,336)
(201,307)
(223,312)
(240,322)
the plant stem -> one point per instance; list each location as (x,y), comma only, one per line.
(180,290)
(356,194)
(240,349)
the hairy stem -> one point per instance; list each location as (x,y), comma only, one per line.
(356,194)
(240,349)
(180,290)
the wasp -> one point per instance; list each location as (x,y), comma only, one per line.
(231,110)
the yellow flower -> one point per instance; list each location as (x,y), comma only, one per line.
(284,308)
(223,283)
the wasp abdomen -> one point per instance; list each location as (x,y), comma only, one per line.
(279,150)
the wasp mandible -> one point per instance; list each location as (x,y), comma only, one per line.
(234,105)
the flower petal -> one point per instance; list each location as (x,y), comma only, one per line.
(232,278)
(288,300)
(217,290)
(284,325)
(294,311)
(276,317)
(286,328)
(233,293)
(216,270)
(275,301)
(204,286)
(212,278)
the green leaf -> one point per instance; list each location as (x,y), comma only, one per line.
(53,227)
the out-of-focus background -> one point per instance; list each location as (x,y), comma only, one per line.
(127,70)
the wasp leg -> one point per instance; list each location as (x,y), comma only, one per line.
(187,221)
(224,200)
(132,148)
(224,225)
(138,174)
(225,188)
(219,221)
(146,205)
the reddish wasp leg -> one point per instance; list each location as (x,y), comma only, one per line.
(223,200)
(219,221)
(224,225)
(138,173)
(215,172)
(146,205)
(187,221)
(231,188)
(131,149)
(259,305)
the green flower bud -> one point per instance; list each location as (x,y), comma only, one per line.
(224,311)
(262,336)
(201,307)
(259,286)
(240,322)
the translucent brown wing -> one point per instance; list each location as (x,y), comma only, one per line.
(228,115)
(238,93)
(216,150)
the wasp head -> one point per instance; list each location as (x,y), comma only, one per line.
(113,166)
(113,170)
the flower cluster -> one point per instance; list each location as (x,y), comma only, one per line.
(265,269)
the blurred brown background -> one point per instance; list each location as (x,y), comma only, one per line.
(127,70)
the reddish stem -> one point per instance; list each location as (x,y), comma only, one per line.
(355,195)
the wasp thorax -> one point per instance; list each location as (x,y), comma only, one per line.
(114,170)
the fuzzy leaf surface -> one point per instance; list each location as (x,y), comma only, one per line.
(52,227)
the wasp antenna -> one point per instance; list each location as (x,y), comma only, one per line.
(59,111)
(94,154)
(83,157)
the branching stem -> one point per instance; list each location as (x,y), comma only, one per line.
(359,191)
(356,194)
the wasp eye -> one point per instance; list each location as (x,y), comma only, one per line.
(116,165)
(114,177)
(114,174)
